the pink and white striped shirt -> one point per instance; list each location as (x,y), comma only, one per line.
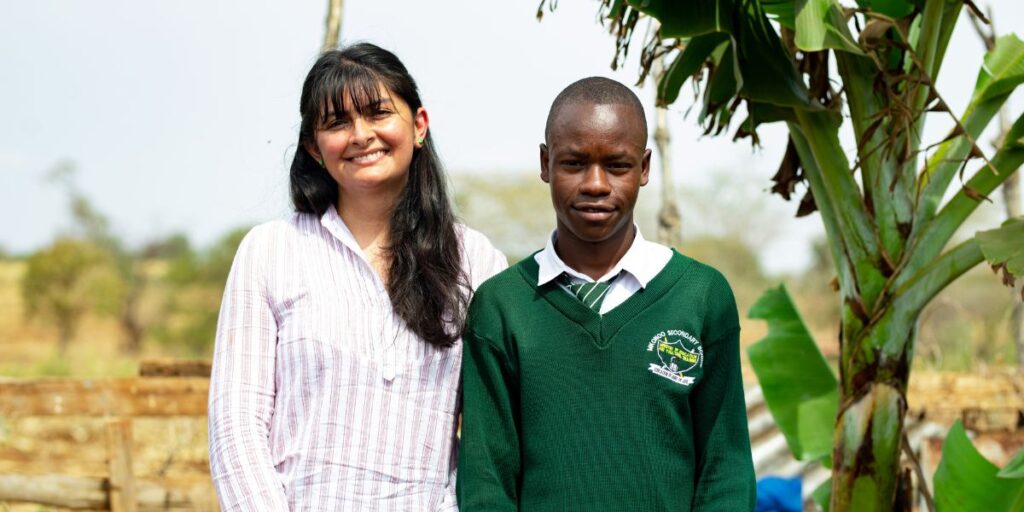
(321,398)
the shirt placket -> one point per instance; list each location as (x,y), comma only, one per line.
(389,333)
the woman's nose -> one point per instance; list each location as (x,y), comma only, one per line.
(362,131)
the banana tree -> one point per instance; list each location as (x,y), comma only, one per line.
(822,67)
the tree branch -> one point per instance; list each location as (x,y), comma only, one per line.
(920,289)
(834,235)
(839,189)
(937,232)
(332,30)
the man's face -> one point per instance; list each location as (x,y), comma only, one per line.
(595,161)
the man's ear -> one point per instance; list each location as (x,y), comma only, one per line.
(645,167)
(544,163)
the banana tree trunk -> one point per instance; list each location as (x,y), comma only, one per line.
(866,474)
(866,458)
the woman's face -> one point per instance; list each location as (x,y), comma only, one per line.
(370,151)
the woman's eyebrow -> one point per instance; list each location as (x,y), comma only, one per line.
(378,103)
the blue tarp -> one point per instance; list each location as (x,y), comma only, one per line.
(776,494)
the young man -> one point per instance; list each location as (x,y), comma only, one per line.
(602,373)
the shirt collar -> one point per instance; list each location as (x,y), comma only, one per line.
(636,261)
(335,225)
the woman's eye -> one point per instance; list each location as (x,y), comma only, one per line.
(337,122)
(381,113)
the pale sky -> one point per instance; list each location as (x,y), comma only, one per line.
(182,115)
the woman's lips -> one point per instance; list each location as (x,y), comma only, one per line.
(368,158)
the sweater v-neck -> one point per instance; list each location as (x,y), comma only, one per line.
(603,328)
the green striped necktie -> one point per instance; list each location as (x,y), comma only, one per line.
(590,294)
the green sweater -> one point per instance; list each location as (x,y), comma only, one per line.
(639,409)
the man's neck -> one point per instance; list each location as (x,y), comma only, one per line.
(593,259)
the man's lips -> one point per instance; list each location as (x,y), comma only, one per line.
(595,212)
(593,207)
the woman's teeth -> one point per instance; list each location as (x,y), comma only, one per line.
(369,157)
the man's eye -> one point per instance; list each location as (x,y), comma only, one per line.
(572,163)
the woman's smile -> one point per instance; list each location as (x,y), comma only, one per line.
(368,158)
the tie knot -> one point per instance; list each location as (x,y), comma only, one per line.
(591,294)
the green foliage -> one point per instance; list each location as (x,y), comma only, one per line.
(990,93)
(891,8)
(1003,70)
(1014,468)
(92,225)
(799,388)
(1004,246)
(194,284)
(53,367)
(823,494)
(819,24)
(966,482)
(68,279)
(168,248)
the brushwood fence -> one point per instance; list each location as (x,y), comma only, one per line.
(164,389)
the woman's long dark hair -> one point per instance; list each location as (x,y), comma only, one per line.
(427,287)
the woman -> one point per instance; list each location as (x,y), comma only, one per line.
(336,369)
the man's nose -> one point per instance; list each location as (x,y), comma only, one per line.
(595,181)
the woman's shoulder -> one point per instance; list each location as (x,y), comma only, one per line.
(471,238)
(275,231)
(481,259)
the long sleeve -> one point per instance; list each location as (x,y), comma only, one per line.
(484,262)
(725,469)
(242,387)
(489,462)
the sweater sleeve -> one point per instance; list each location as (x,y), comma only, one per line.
(489,461)
(242,387)
(725,469)
(484,261)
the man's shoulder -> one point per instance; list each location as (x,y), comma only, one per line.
(699,271)
(509,283)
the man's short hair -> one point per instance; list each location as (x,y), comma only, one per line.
(595,90)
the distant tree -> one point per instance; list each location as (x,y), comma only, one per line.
(195,284)
(169,248)
(92,225)
(65,281)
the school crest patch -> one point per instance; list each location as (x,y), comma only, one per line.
(680,356)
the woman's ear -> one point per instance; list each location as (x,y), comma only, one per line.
(313,152)
(420,123)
